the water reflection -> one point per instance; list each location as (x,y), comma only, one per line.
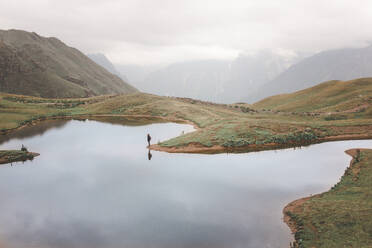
(30,131)
(91,187)
(149,155)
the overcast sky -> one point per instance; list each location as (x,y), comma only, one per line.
(164,31)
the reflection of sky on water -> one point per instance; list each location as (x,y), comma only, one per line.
(93,186)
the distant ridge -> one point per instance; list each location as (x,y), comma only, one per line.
(224,81)
(103,61)
(341,64)
(34,65)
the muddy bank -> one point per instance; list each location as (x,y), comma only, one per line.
(294,207)
(199,148)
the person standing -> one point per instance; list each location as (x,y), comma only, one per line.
(148,139)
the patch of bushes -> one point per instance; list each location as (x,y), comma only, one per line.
(264,137)
(335,117)
(246,109)
(292,138)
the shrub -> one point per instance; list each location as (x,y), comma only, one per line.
(335,117)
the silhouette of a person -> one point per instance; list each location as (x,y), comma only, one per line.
(149,155)
(148,139)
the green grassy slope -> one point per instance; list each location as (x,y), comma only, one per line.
(46,67)
(341,217)
(325,97)
(227,126)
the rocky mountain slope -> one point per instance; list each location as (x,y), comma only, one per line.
(46,67)
(103,61)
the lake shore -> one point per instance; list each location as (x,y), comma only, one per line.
(309,217)
(215,149)
(219,128)
(195,147)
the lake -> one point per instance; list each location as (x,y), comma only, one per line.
(94,186)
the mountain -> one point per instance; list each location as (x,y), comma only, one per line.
(348,96)
(202,79)
(341,64)
(46,67)
(103,61)
(222,81)
(249,72)
(136,74)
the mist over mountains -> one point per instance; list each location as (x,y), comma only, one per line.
(341,64)
(211,80)
(103,61)
(34,65)
(250,78)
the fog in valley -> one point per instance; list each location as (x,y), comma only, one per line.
(221,51)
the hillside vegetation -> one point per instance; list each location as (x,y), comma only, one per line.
(341,217)
(326,97)
(46,67)
(220,127)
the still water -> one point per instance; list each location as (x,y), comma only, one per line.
(94,187)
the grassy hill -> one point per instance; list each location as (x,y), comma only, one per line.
(329,96)
(220,127)
(46,67)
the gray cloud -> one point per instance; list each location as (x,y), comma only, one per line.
(164,31)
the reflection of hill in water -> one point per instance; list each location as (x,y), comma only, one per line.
(44,126)
(128,121)
(30,131)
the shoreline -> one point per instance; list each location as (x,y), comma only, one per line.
(296,206)
(216,149)
(87,116)
(197,147)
